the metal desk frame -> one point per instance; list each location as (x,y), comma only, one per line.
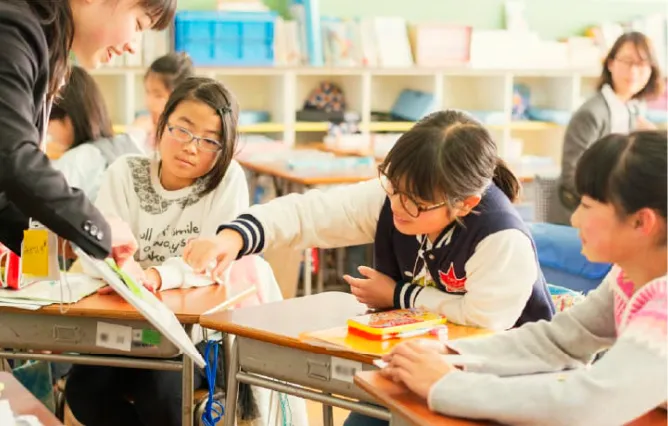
(186,367)
(238,373)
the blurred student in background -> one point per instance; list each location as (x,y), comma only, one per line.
(81,137)
(164,74)
(630,76)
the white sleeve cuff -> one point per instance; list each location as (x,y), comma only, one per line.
(171,276)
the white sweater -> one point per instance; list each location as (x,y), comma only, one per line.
(164,221)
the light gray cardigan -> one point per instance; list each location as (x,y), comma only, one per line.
(629,380)
(590,123)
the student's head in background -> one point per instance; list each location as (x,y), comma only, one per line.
(197,134)
(438,171)
(79,115)
(164,74)
(631,68)
(622,212)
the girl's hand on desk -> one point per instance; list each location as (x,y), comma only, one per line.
(375,291)
(134,270)
(152,280)
(223,249)
(418,367)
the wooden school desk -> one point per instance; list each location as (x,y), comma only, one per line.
(23,402)
(407,409)
(80,328)
(267,352)
(287,181)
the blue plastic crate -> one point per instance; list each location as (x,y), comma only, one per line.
(226,38)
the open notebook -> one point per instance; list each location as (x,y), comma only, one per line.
(145,302)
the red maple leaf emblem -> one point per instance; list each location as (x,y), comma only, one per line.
(451,282)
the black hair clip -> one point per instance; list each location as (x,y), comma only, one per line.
(224,110)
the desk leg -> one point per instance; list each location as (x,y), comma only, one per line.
(320,283)
(397,420)
(232,386)
(327,415)
(187,391)
(308,285)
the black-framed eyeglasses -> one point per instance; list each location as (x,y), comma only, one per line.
(185,136)
(412,207)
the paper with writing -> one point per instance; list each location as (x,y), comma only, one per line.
(35,252)
(156,246)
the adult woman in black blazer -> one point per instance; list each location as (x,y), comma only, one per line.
(36,39)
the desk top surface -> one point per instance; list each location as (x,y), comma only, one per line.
(308,178)
(187,304)
(398,399)
(283,322)
(23,402)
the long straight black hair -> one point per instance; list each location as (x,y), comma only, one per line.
(58,25)
(81,101)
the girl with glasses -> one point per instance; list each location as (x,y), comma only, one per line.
(446,235)
(168,199)
(630,76)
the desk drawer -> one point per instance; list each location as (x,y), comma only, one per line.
(318,371)
(78,335)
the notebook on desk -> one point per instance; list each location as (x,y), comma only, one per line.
(145,302)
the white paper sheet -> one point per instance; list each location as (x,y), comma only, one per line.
(70,289)
(147,304)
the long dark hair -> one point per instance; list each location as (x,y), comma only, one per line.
(214,94)
(448,153)
(58,25)
(627,170)
(643,46)
(172,69)
(81,101)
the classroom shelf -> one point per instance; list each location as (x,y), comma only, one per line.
(262,128)
(389,126)
(281,91)
(304,126)
(527,125)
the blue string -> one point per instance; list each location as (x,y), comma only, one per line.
(285,410)
(214,410)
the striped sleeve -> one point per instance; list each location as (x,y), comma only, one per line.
(342,216)
(251,232)
(405,295)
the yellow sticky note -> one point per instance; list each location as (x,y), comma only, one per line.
(35,256)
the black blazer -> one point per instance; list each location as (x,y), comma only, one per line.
(29,186)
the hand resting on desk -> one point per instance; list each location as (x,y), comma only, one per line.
(222,249)
(418,365)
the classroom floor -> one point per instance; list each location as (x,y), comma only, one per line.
(314,410)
